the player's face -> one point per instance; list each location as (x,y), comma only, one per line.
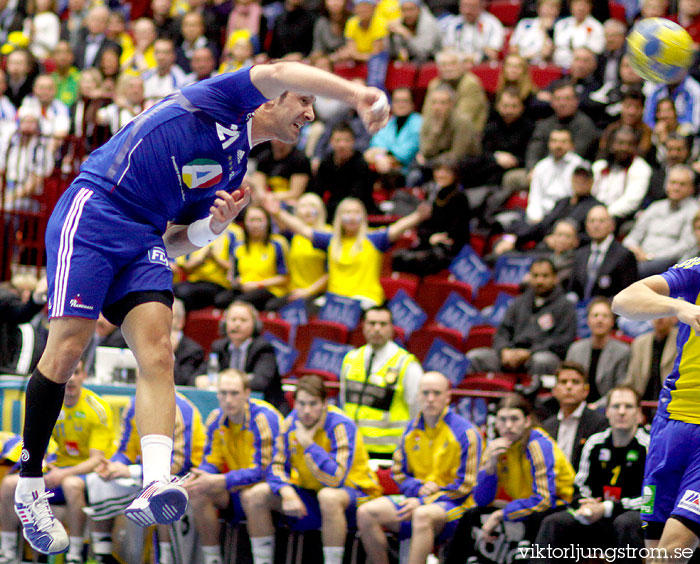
(377,328)
(622,411)
(233,396)
(74,386)
(571,389)
(309,408)
(433,395)
(291,113)
(239,324)
(511,423)
(601,320)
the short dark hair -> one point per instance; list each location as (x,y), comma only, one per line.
(625,388)
(343,127)
(562,83)
(313,385)
(383,307)
(634,93)
(547,260)
(511,91)
(571,365)
(598,300)
(514,400)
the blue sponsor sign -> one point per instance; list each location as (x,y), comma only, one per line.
(326,355)
(407,313)
(341,309)
(468,267)
(285,354)
(457,313)
(294,313)
(582,329)
(447,360)
(511,269)
(496,312)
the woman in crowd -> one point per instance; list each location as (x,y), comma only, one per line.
(532,37)
(524,476)
(329,30)
(258,268)
(354,252)
(516,74)
(128,103)
(108,64)
(604,358)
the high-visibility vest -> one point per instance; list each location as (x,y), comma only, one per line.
(376,403)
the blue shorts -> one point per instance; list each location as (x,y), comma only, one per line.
(97,255)
(59,498)
(312,521)
(454,512)
(672,471)
(234,513)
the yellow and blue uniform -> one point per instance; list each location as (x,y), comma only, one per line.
(306,263)
(365,38)
(188,437)
(355,273)
(532,478)
(87,425)
(211,270)
(241,451)
(336,459)
(672,469)
(447,454)
(256,261)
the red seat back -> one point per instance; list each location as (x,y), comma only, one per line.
(202,326)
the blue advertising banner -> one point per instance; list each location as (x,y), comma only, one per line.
(285,354)
(326,355)
(468,267)
(341,310)
(493,315)
(447,360)
(294,313)
(511,269)
(457,313)
(407,313)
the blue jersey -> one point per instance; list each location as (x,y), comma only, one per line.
(679,398)
(168,162)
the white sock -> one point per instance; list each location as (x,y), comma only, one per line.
(156,451)
(25,487)
(263,549)
(211,554)
(101,543)
(166,554)
(8,543)
(75,548)
(333,554)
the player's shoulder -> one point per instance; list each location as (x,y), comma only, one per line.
(692,264)
(96,406)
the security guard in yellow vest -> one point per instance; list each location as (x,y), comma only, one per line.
(379,385)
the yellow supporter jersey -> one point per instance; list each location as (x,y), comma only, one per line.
(210,270)
(188,437)
(86,426)
(336,458)
(306,263)
(259,261)
(364,38)
(132,62)
(242,451)
(389,10)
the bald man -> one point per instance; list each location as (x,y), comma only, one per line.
(435,466)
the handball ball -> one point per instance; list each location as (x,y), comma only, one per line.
(660,50)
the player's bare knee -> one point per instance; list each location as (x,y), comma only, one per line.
(256,498)
(8,486)
(330,500)
(366,517)
(73,486)
(156,363)
(422,519)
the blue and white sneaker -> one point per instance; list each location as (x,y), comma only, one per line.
(42,530)
(158,503)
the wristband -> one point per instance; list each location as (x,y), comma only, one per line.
(608,506)
(199,233)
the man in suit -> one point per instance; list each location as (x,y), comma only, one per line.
(92,39)
(652,358)
(243,348)
(574,422)
(604,267)
(189,356)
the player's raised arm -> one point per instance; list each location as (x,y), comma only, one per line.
(274,79)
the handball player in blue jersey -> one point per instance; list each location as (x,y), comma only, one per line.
(671,491)
(165,185)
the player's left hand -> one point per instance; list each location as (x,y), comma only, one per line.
(365,99)
(407,507)
(227,206)
(54,476)
(592,512)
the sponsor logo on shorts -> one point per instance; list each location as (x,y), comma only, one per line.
(690,501)
(202,173)
(648,497)
(77,302)
(157,255)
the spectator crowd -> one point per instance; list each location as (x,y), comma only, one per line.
(523,136)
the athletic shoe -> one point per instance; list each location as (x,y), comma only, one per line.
(42,530)
(158,503)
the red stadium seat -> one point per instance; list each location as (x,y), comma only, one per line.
(387,483)
(543,75)
(406,282)
(489,292)
(400,75)
(617,12)
(489,381)
(488,75)
(506,11)
(421,341)
(329,330)
(479,336)
(434,290)
(426,73)
(278,327)
(202,326)
(351,70)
